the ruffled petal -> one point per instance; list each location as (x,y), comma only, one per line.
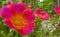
(18,7)
(8,23)
(26,30)
(28,14)
(5,12)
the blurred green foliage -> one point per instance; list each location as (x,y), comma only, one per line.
(42,28)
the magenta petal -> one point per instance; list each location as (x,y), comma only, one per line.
(45,15)
(29,15)
(27,30)
(5,12)
(18,7)
(8,23)
(38,10)
(57,10)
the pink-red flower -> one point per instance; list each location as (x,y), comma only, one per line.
(57,10)
(42,15)
(18,17)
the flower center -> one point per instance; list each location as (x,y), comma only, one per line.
(18,21)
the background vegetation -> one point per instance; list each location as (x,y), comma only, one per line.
(47,28)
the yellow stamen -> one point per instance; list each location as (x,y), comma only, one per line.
(18,21)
